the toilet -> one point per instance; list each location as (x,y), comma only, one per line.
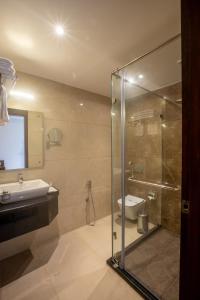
(133,205)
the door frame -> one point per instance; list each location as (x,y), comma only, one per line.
(190,222)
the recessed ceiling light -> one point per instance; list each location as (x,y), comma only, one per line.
(113,114)
(81,104)
(164,125)
(59,30)
(140,76)
(21,94)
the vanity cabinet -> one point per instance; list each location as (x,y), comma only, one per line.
(28,215)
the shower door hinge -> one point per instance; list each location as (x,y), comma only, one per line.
(114,100)
(115,235)
(115,263)
(185,207)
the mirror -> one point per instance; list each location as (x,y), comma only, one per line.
(22,140)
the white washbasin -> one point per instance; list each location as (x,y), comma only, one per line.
(13,192)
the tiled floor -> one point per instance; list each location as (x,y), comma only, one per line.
(131,233)
(155,262)
(72,268)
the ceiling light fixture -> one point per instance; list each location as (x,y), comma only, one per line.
(81,104)
(21,94)
(59,30)
(140,76)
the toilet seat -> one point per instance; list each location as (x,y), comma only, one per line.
(131,200)
(133,205)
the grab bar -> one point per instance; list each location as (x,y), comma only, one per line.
(159,185)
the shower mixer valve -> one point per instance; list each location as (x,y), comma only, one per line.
(131,164)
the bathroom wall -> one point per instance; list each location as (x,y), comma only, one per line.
(172,154)
(144,149)
(153,144)
(85,154)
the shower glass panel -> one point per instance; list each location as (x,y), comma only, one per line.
(116,164)
(146,166)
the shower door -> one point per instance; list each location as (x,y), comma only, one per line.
(146,165)
(116,165)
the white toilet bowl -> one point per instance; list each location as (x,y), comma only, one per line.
(133,205)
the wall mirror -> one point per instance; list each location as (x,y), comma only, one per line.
(22,140)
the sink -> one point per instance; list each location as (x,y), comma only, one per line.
(14,192)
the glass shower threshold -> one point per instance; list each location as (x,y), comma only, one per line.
(131,279)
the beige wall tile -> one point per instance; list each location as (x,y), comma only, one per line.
(157,150)
(84,154)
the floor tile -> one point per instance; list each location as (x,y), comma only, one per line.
(35,285)
(73,268)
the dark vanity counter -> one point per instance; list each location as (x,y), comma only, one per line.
(27,215)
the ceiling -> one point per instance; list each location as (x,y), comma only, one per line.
(102,35)
(159,69)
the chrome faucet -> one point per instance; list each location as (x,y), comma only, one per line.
(20,178)
(131,164)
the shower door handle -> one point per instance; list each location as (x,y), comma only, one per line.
(185,207)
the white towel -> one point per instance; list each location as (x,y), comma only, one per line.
(4,117)
(6,62)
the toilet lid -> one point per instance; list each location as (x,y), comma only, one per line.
(131,200)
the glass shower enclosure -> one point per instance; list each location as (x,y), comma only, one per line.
(146,171)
